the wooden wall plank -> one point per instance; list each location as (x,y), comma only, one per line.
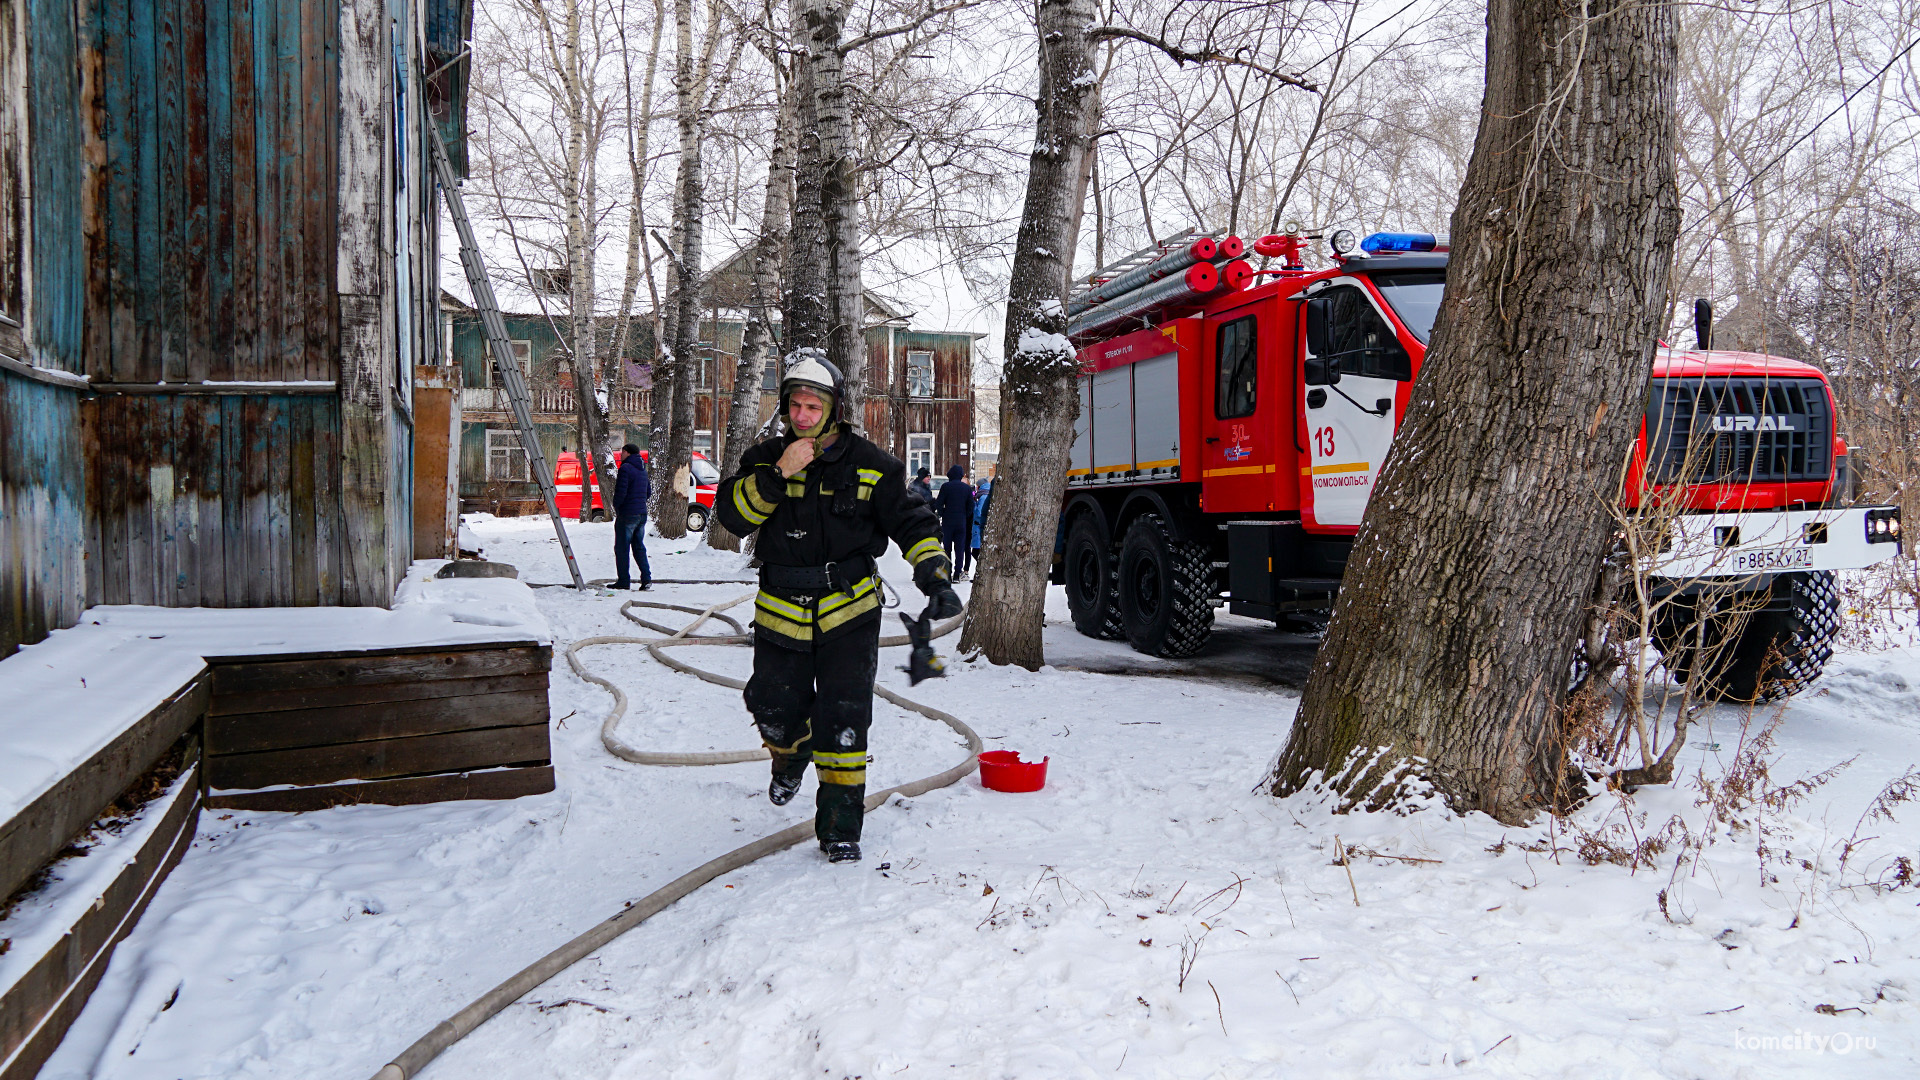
(303,506)
(246,170)
(442,787)
(267,227)
(167,253)
(196,248)
(238,675)
(218,22)
(243,733)
(288,216)
(381,758)
(325,697)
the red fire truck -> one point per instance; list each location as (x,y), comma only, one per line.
(1231,431)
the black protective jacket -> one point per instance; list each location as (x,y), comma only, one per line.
(842,508)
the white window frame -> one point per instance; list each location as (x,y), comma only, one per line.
(503,451)
(522,352)
(770,376)
(919,457)
(916,389)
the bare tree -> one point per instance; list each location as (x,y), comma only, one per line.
(1563,241)
(756,344)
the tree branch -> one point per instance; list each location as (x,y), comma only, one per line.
(1184,56)
(919,21)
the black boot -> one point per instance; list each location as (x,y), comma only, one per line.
(788,771)
(783,788)
(842,851)
(837,816)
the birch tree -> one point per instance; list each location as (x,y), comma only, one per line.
(756,344)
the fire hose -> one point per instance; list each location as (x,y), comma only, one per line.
(456,1027)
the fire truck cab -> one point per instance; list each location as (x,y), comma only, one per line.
(1224,457)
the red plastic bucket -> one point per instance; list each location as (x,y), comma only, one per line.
(1002,770)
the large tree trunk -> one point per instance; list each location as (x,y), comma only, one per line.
(670,503)
(743,415)
(804,292)
(839,204)
(1037,391)
(1448,657)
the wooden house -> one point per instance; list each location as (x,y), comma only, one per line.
(218,270)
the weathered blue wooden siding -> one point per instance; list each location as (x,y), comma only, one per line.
(42,513)
(216,231)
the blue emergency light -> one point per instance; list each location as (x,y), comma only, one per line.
(1399,241)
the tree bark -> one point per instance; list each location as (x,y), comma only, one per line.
(839,204)
(590,416)
(670,503)
(1037,394)
(743,416)
(804,292)
(1452,639)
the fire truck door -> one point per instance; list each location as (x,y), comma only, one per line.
(1242,433)
(1352,368)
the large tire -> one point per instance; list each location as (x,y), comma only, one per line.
(1166,590)
(1093,580)
(696,517)
(1774,655)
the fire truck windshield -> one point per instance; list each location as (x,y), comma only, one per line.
(1415,296)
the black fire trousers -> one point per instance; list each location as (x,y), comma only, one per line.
(813,704)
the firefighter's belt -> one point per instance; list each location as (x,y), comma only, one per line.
(819,615)
(833,577)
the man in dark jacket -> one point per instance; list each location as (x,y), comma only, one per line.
(631,490)
(825,502)
(955,503)
(922,487)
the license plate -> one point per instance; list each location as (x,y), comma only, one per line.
(1780,558)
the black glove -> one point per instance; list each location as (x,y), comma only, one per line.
(934,577)
(932,574)
(942,604)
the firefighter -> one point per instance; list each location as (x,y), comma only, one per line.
(824,501)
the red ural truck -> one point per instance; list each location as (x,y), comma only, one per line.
(1229,439)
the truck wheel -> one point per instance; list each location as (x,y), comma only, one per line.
(696,517)
(1093,580)
(1776,654)
(1166,590)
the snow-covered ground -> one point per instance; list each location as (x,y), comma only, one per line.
(1149,914)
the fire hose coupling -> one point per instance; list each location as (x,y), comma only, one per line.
(1883,525)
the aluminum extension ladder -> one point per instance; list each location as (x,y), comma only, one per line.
(504,367)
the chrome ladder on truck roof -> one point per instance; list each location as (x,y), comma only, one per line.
(504,368)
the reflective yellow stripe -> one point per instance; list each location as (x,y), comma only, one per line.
(789,751)
(752,516)
(783,607)
(849,612)
(841,599)
(865,493)
(760,502)
(845,769)
(869,476)
(764,618)
(923,549)
(795,489)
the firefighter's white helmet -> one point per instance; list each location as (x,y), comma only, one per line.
(815,372)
